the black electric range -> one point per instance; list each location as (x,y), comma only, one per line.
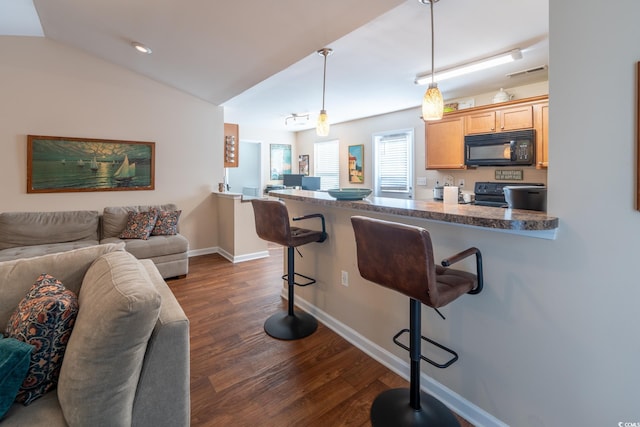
(492,193)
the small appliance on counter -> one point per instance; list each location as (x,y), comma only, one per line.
(438,192)
(526,197)
(492,193)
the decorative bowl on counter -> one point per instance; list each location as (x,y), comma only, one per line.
(349,193)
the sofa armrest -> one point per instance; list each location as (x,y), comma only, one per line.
(163,393)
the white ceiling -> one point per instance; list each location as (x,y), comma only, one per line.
(258,59)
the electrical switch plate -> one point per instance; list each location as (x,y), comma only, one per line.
(345,278)
(422,180)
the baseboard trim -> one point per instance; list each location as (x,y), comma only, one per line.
(472,413)
(204,251)
(242,258)
(249,257)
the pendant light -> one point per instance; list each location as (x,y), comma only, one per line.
(432,103)
(322,128)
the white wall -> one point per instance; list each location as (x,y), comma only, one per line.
(49,89)
(552,339)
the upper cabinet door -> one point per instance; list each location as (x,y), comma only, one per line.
(482,122)
(542,135)
(445,144)
(516,118)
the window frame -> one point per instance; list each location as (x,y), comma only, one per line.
(408,192)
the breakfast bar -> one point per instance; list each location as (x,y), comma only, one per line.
(514,221)
(368,315)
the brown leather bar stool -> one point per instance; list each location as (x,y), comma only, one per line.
(272,224)
(400,257)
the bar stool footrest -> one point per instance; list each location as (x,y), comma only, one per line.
(432,342)
(311,280)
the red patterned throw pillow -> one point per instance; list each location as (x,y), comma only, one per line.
(139,225)
(44,318)
(166,223)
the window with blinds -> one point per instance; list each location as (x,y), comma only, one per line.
(327,164)
(393,153)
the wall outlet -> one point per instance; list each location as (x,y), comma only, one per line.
(345,278)
(461,183)
(421,180)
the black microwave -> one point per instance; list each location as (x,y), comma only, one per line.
(500,149)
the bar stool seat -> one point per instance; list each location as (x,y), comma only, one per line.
(272,224)
(400,257)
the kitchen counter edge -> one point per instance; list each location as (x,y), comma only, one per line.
(514,221)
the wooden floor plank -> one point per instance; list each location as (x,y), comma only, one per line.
(242,377)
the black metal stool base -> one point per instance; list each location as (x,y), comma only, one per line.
(290,327)
(391,408)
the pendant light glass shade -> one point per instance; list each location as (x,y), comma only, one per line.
(432,103)
(322,128)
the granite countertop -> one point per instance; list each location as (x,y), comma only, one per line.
(499,219)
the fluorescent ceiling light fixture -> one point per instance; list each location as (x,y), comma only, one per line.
(483,64)
(141,48)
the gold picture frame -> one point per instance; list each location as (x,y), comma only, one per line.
(57,164)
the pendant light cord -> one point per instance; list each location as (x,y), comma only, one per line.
(324,76)
(432,45)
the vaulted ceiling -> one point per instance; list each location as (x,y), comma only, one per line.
(258,59)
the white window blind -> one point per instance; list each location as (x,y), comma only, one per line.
(327,164)
(394,172)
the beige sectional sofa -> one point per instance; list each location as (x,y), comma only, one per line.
(28,234)
(127,359)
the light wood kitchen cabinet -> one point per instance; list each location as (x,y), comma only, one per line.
(444,139)
(542,134)
(500,120)
(445,144)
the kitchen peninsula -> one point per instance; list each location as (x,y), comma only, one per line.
(515,221)
(368,315)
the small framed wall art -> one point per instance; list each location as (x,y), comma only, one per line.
(303,164)
(356,164)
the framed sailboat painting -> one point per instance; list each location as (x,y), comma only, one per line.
(58,164)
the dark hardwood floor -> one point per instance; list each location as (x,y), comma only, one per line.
(242,377)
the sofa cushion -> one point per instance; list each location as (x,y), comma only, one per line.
(43,319)
(15,356)
(166,223)
(119,307)
(114,219)
(44,249)
(155,246)
(17,276)
(139,225)
(38,228)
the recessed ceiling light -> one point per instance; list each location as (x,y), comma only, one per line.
(141,48)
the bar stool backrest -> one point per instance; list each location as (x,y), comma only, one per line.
(397,256)
(272,221)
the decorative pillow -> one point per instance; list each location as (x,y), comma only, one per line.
(14,362)
(139,225)
(44,319)
(166,223)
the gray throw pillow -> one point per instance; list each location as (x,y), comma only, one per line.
(119,307)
